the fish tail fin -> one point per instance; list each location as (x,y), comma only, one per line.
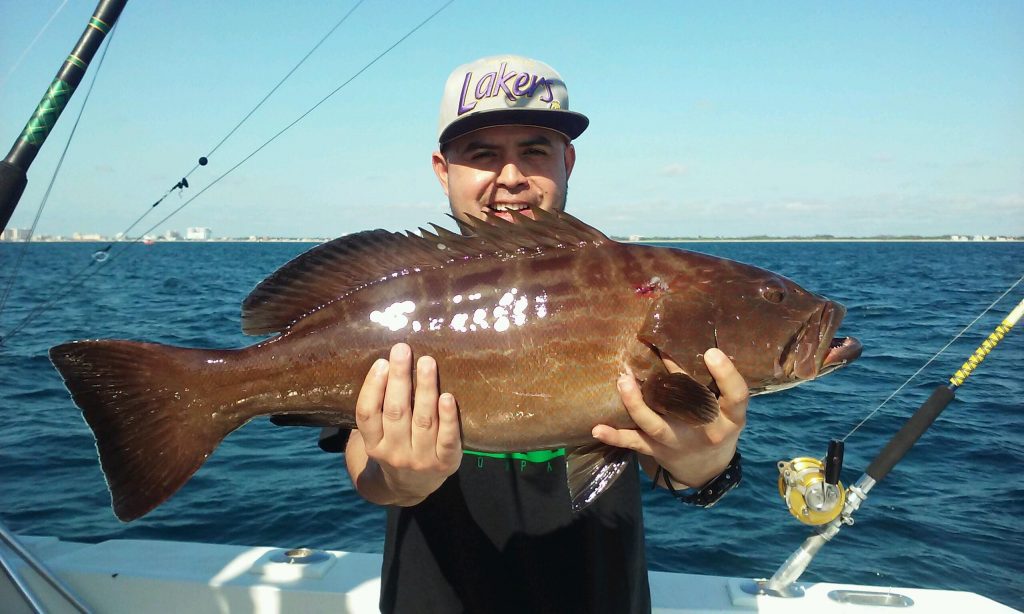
(146,406)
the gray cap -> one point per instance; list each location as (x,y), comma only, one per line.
(506,90)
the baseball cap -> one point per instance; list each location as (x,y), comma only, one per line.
(506,90)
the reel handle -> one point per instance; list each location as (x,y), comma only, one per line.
(834,461)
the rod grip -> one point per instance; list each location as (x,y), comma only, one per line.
(12,184)
(910,433)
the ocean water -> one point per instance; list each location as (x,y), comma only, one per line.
(948,516)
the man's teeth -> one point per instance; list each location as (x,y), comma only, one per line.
(509,207)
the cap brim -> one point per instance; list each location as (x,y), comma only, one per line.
(569,123)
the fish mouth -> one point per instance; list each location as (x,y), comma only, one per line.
(819,350)
(841,350)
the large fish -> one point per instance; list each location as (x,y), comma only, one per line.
(531,323)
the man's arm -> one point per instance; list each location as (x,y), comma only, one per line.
(408,440)
(691,455)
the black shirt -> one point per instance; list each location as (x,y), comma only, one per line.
(500,536)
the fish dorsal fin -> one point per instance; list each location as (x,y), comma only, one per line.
(336,268)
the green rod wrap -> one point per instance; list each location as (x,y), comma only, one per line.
(14,168)
(49,109)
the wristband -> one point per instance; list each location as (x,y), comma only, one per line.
(709,494)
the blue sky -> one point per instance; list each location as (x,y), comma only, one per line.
(706,119)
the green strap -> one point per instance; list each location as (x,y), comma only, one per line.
(536,456)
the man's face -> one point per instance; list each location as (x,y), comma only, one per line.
(497,170)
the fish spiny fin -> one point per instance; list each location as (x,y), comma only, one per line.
(336,268)
(592,469)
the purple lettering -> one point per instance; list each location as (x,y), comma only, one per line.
(484,92)
(502,83)
(539,81)
(463,107)
(519,88)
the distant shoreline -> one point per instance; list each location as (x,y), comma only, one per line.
(619,239)
(819,240)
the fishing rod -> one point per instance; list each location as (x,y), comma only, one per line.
(14,168)
(812,489)
(13,179)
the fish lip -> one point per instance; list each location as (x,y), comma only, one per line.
(842,350)
(820,352)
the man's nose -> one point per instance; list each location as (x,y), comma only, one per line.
(511,177)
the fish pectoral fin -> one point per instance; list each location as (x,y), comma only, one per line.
(319,420)
(681,396)
(591,470)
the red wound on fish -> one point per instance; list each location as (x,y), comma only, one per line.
(681,396)
(651,287)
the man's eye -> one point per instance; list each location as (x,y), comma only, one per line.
(481,155)
(536,152)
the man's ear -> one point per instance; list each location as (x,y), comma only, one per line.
(441,170)
(570,159)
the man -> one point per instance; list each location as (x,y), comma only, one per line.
(494,532)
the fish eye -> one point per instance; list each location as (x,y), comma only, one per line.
(773,295)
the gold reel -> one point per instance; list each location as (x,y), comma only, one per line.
(810,498)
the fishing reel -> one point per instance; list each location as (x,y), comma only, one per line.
(811,488)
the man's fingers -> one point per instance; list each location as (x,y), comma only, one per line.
(623,438)
(735,393)
(369,402)
(449,434)
(397,410)
(424,409)
(646,419)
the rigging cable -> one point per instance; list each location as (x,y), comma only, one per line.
(936,355)
(203,160)
(113,250)
(53,178)
(298,119)
(102,254)
(46,25)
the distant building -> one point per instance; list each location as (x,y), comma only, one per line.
(15,234)
(634,238)
(197,233)
(89,236)
(172,235)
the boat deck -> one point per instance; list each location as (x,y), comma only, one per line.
(158,576)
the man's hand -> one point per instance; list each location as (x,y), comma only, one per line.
(407,443)
(691,454)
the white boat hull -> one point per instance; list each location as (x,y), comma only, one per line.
(139,576)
